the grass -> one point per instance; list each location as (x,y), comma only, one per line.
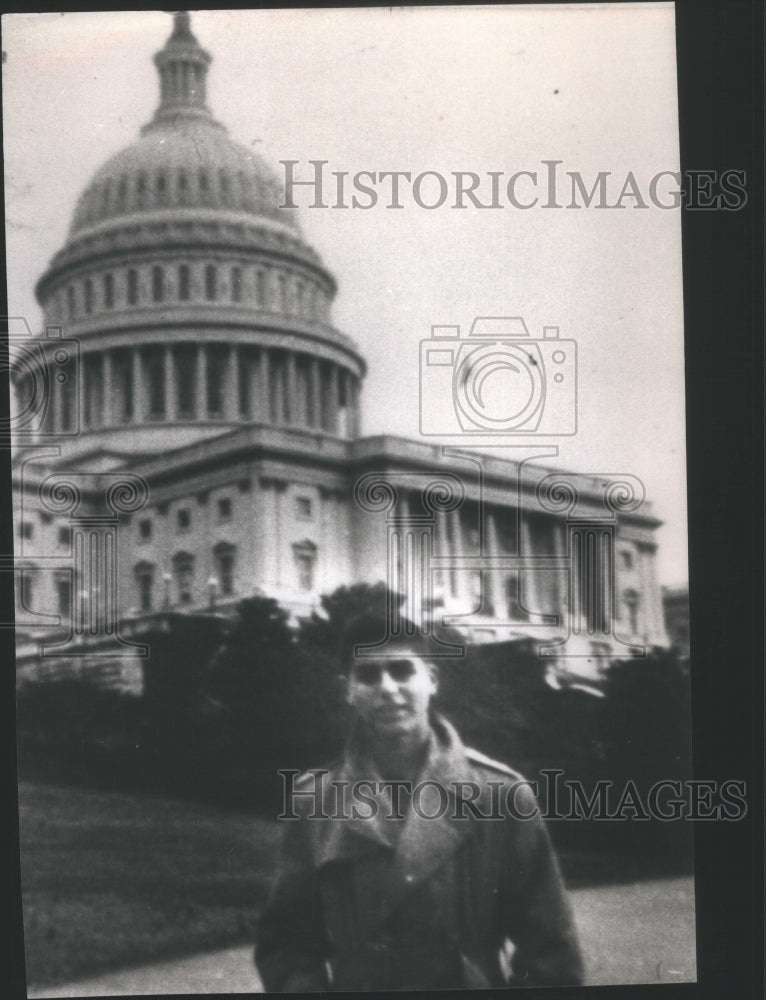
(110,879)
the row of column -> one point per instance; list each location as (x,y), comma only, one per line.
(202,381)
(577,580)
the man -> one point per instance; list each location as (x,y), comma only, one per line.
(410,865)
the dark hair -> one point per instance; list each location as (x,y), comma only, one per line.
(372,630)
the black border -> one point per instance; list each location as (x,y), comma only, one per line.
(720,79)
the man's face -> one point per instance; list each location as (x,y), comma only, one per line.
(392,694)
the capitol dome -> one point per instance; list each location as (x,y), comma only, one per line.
(195,301)
(182,165)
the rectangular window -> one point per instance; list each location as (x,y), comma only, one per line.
(260,291)
(145,530)
(132,287)
(183,519)
(145,581)
(224,564)
(303,508)
(305,565)
(184,573)
(71,306)
(64,536)
(224,509)
(27,530)
(88,296)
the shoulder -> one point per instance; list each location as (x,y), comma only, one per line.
(493,767)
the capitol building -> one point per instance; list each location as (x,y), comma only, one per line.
(188,433)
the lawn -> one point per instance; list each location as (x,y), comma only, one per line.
(111,879)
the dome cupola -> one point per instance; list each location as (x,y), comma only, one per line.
(197,304)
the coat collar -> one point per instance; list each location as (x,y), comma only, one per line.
(424,843)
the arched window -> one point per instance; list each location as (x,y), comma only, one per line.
(144,573)
(211,283)
(305,557)
(183,573)
(108,291)
(225,558)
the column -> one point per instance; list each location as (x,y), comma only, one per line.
(458,576)
(315,417)
(493,577)
(441,549)
(530,593)
(293,409)
(355,416)
(231,385)
(332,400)
(546,578)
(139,388)
(265,389)
(95,603)
(171,393)
(561,607)
(107,378)
(58,406)
(200,386)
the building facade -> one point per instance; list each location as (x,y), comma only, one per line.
(188,433)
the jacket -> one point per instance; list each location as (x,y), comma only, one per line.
(350,910)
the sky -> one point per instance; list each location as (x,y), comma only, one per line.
(499,89)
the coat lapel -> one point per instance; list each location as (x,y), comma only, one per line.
(431,833)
